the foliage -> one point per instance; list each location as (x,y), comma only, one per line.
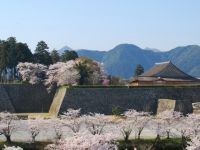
(116,110)
(113,80)
(170,119)
(26,146)
(69,55)
(32,73)
(72,119)
(128,125)
(7,124)
(55,56)
(138,70)
(194,144)
(12,148)
(34,127)
(83,71)
(95,123)
(85,141)
(62,74)
(90,71)
(42,55)
(57,125)
(11,53)
(149,144)
(97,131)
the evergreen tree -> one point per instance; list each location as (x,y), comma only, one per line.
(3,59)
(69,55)
(42,55)
(11,53)
(55,56)
(139,70)
(23,53)
(42,47)
(83,72)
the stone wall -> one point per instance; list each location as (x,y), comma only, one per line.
(34,98)
(102,100)
(25,98)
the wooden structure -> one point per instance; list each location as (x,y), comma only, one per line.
(164,73)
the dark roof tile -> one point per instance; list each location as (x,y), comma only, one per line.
(167,70)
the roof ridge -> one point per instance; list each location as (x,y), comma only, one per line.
(164,62)
(176,68)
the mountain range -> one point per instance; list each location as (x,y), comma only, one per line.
(122,59)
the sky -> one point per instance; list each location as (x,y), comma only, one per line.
(101,24)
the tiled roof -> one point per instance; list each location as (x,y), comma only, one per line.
(167,70)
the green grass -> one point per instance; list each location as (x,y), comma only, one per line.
(142,144)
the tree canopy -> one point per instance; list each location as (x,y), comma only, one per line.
(11,53)
(55,56)
(69,55)
(139,70)
(42,55)
(18,62)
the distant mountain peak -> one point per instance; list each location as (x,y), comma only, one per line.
(126,45)
(122,59)
(152,49)
(64,48)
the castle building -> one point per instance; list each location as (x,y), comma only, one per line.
(164,74)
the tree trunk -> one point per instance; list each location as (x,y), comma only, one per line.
(8,139)
(139,133)
(184,142)
(33,139)
(126,138)
(167,134)
(157,140)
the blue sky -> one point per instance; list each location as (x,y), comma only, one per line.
(102,24)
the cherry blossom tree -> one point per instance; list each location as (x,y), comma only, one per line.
(185,129)
(170,118)
(126,125)
(95,123)
(12,148)
(72,119)
(194,120)
(57,126)
(130,123)
(56,75)
(90,71)
(194,144)
(126,128)
(32,73)
(83,141)
(141,122)
(97,72)
(156,125)
(62,73)
(35,126)
(8,124)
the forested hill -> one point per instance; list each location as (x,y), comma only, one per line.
(122,59)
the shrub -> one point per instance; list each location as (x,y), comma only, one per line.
(116,110)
